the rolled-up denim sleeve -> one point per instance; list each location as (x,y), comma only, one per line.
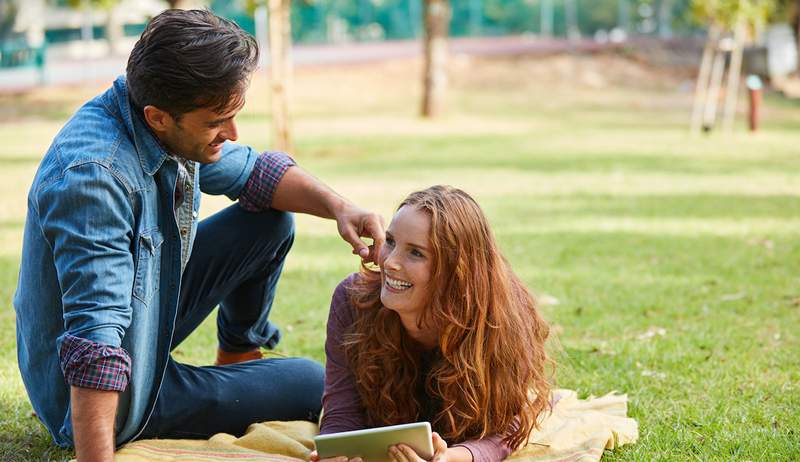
(269,168)
(86,217)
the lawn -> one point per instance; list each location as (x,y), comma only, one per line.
(670,264)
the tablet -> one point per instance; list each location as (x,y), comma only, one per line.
(372,444)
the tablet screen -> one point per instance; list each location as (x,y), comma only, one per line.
(372,444)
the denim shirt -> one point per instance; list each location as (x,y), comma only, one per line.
(101,257)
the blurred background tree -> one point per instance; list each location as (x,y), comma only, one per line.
(113,26)
(436,23)
(728,12)
(789,10)
(280,43)
(8,15)
(730,23)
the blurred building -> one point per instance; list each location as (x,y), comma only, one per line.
(331,21)
(58,24)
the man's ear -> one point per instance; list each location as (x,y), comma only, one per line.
(158,120)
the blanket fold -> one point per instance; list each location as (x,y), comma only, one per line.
(577,430)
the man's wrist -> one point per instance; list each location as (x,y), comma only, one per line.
(93,418)
(337,205)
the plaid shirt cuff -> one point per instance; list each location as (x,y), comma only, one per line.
(270,167)
(89,364)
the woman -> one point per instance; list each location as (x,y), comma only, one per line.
(444,332)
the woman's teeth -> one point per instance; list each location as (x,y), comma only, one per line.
(397,284)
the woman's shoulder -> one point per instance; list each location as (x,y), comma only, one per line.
(341,307)
(345,286)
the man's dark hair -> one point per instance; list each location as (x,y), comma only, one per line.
(190,59)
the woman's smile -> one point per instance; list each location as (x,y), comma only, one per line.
(397,285)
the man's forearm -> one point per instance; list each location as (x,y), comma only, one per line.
(298,191)
(93,415)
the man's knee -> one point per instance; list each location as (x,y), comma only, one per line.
(308,382)
(273,227)
(283,224)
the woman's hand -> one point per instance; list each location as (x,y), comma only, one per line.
(403,453)
(314,457)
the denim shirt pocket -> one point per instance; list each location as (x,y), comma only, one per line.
(148,265)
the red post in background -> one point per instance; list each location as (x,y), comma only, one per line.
(754,88)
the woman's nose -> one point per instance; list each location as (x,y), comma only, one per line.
(391,262)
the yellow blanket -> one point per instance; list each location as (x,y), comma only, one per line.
(577,430)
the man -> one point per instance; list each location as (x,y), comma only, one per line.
(116,270)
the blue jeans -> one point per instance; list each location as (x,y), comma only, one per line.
(236,261)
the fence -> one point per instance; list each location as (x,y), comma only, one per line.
(317,21)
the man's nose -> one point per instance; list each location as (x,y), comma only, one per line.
(229,131)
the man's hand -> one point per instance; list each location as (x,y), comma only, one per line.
(300,192)
(354,223)
(93,414)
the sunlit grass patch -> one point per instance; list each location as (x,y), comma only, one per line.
(668,265)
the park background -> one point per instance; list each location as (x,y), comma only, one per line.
(667,261)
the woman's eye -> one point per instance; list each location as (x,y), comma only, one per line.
(390,241)
(416,253)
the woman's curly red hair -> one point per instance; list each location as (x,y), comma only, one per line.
(492,374)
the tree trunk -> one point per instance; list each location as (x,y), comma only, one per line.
(114,29)
(8,17)
(624,16)
(665,19)
(87,24)
(796,24)
(734,75)
(571,17)
(701,89)
(280,40)
(437,24)
(475,16)
(546,27)
(179,4)
(712,100)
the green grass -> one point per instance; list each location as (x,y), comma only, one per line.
(598,197)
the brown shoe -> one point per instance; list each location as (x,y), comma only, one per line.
(229,357)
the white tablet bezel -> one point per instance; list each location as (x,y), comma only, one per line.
(372,444)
